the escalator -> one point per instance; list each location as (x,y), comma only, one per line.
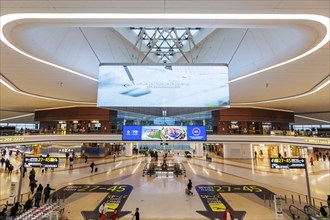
(297,213)
(309,213)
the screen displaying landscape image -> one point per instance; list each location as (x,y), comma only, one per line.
(163,86)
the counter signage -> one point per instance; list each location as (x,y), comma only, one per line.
(46,162)
(287,163)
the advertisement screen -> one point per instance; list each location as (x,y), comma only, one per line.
(164,133)
(163,86)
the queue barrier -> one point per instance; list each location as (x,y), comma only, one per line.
(155,168)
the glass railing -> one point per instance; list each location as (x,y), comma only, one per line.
(114,131)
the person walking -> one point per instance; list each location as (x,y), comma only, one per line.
(40,188)
(24,170)
(7,163)
(10,169)
(47,192)
(86,158)
(2,161)
(37,198)
(14,210)
(311,161)
(92,166)
(103,209)
(33,172)
(114,157)
(71,162)
(226,215)
(189,187)
(136,214)
(114,215)
(31,177)
(33,185)
(3,213)
(28,204)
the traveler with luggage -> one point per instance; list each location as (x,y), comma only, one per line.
(189,187)
(92,166)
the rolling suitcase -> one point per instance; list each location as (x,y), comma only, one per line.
(187,191)
(96,169)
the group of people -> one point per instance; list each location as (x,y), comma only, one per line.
(41,191)
(324,156)
(103,210)
(8,166)
(33,184)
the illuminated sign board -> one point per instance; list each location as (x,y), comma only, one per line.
(46,162)
(287,163)
(318,141)
(164,133)
(11,139)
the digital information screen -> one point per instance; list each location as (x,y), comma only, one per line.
(46,162)
(163,86)
(164,133)
(287,163)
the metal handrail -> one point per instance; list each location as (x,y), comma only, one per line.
(297,213)
(311,210)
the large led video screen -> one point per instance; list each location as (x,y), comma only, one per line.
(164,133)
(163,86)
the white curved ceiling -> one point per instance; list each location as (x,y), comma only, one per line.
(246,45)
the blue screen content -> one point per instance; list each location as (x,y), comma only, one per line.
(164,133)
(160,86)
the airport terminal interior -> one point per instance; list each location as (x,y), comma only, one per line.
(164,109)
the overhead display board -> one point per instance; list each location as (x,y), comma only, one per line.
(287,163)
(46,162)
(164,133)
(163,85)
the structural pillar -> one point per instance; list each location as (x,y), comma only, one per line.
(198,149)
(129,149)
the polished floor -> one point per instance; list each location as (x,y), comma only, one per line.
(163,197)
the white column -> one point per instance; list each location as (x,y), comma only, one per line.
(198,149)
(129,149)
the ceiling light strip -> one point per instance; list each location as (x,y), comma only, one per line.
(16,117)
(314,90)
(42,97)
(325,21)
(310,118)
